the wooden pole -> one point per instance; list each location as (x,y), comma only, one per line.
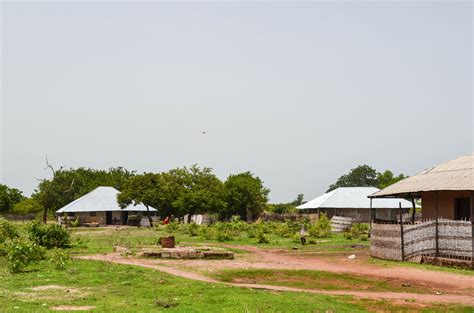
(436,225)
(472,228)
(371,218)
(414,210)
(401,231)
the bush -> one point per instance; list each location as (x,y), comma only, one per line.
(49,236)
(358,231)
(322,227)
(7,230)
(224,235)
(172,226)
(21,253)
(60,259)
(208,232)
(76,222)
(261,238)
(134,220)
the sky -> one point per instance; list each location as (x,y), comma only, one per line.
(297,93)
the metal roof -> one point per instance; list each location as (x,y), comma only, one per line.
(99,200)
(353,198)
(457,174)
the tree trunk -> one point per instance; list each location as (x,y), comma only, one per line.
(249,216)
(45,215)
(148,215)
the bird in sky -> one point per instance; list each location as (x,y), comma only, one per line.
(204,132)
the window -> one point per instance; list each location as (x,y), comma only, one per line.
(462,209)
(91,213)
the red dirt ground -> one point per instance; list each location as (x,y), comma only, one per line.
(455,288)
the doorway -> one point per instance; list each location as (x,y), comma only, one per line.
(108,217)
(462,209)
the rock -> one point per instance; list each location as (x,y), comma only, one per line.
(406,284)
(351,257)
(439,293)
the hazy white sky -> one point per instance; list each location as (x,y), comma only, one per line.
(298,93)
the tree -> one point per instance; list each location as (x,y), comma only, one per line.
(67,185)
(366,176)
(361,176)
(204,192)
(144,189)
(387,178)
(27,205)
(245,195)
(9,197)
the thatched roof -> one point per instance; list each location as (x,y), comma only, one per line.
(457,174)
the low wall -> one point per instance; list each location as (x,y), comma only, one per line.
(419,239)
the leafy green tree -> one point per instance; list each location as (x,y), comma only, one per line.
(245,195)
(144,189)
(387,178)
(67,185)
(27,205)
(366,176)
(361,176)
(204,193)
(9,197)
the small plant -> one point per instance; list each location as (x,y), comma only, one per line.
(208,232)
(358,231)
(60,259)
(261,238)
(172,226)
(322,227)
(49,236)
(193,229)
(20,253)
(76,222)
(7,230)
(223,235)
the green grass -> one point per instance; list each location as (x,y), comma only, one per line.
(121,288)
(390,263)
(311,279)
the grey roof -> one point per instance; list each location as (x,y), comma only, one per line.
(100,199)
(457,174)
(353,198)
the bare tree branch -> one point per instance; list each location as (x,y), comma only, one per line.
(48,165)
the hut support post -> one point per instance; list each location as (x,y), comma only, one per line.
(436,225)
(472,228)
(414,210)
(402,244)
(371,218)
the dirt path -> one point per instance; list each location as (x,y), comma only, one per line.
(272,259)
(287,260)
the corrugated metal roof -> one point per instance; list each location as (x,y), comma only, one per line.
(353,198)
(98,200)
(457,174)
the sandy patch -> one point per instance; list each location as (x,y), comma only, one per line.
(72,308)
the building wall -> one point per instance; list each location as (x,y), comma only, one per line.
(84,217)
(446,200)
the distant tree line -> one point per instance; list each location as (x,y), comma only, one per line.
(180,191)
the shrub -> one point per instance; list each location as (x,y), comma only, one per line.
(358,231)
(322,227)
(261,238)
(20,253)
(134,220)
(76,222)
(49,236)
(208,232)
(172,226)
(224,235)
(60,259)
(7,230)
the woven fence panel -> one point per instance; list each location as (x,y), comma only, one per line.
(385,241)
(454,240)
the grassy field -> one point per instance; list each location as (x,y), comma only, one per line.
(123,288)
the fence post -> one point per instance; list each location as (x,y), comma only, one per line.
(401,231)
(436,225)
(371,219)
(472,228)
